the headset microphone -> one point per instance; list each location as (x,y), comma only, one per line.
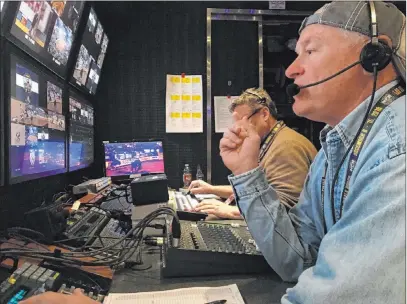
(293,89)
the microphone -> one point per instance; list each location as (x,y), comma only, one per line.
(293,89)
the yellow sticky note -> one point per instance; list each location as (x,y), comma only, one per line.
(76,205)
(175,115)
(196,80)
(196,97)
(186,80)
(175,79)
(196,115)
(186,97)
(175,97)
(186,115)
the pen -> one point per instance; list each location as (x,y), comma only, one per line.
(217,302)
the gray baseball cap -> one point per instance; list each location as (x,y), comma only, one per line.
(355,16)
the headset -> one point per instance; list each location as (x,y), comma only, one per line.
(375,55)
(263,101)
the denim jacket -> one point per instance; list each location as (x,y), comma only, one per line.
(361,258)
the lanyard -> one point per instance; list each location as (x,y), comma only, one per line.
(270,138)
(390,96)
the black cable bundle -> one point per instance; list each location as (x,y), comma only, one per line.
(106,256)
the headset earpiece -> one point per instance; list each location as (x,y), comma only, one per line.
(378,55)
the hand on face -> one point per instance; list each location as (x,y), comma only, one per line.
(59,298)
(239,147)
(219,209)
(200,187)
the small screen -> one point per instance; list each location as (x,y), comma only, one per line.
(81,134)
(37,124)
(134,158)
(91,55)
(48,28)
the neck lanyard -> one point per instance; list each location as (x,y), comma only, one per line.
(270,138)
(390,96)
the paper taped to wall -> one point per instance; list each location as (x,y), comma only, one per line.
(183,104)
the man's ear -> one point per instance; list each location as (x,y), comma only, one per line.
(265,113)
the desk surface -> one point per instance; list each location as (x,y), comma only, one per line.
(254,288)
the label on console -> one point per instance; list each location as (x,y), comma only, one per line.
(76,205)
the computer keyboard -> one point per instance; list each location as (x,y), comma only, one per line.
(184,205)
(185,202)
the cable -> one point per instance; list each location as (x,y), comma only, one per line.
(41,236)
(71,259)
(25,238)
(127,197)
(348,150)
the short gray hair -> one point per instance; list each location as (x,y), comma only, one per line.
(255,97)
(354,38)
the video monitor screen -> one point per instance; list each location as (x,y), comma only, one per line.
(122,159)
(81,134)
(47,29)
(37,123)
(91,55)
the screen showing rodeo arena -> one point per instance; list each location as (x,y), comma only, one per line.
(134,158)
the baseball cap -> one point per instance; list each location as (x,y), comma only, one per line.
(355,16)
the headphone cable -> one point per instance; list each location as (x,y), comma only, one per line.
(350,147)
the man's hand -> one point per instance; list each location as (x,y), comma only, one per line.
(239,147)
(77,297)
(218,209)
(200,187)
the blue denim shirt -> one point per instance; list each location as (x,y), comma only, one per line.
(361,259)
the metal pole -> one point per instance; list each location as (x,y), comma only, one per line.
(208,97)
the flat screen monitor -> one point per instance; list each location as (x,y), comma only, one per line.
(37,143)
(46,30)
(91,55)
(127,158)
(80,133)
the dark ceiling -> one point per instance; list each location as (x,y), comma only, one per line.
(116,13)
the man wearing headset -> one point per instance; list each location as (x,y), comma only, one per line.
(340,252)
(284,154)
(345,239)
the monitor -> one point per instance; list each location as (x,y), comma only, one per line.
(139,157)
(91,55)
(80,133)
(46,30)
(37,142)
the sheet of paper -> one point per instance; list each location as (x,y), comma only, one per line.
(223,118)
(184,106)
(197,295)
